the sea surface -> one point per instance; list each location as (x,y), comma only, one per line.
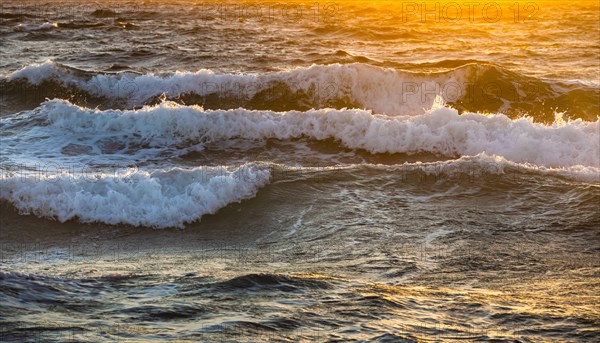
(340,171)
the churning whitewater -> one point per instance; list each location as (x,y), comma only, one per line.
(161,194)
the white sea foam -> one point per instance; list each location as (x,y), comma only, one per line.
(172,197)
(167,196)
(163,198)
(481,164)
(440,130)
(382,90)
(42,27)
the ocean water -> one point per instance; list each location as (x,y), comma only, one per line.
(251,171)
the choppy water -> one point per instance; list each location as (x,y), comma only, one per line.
(339,171)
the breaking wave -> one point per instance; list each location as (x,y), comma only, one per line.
(58,124)
(161,198)
(474,87)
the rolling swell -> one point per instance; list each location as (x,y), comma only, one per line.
(475,87)
(160,198)
(269,282)
(323,315)
(440,130)
(167,198)
(156,194)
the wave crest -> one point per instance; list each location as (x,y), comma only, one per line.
(440,130)
(474,87)
(159,199)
